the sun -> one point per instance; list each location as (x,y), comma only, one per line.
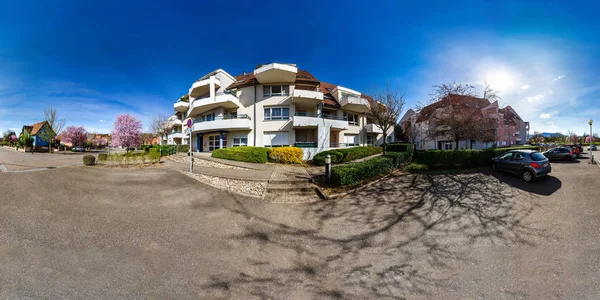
(501,80)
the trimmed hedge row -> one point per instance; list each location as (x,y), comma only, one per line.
(356,172)
(346,154)
(459,159)
(247,154)
(400,147)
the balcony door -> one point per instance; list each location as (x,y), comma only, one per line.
(214,142)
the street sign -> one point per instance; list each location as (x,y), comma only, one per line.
(189,123)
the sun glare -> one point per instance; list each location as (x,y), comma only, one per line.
(501,80)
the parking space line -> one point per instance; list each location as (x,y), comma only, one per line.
(3,168)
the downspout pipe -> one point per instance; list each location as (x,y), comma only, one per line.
(254,129)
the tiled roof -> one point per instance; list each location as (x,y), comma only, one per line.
(243,80)
(305,77)
(35,128)
(451,100)
(328,99)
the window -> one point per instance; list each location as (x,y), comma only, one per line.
(518,156)
(448,146)
(277,113)
(240,141)
(389,139)
(275,138)
(352,118)
(276,90)
(508,155)
(208,117)
(536,156)
(351,139)
(370,140)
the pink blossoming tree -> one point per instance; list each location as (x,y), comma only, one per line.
(13,139)
(127,131)
(74,135)
(588,138)
(573,138)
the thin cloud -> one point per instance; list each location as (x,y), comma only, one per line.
(559,77)
(545,116)
(536,98)
(524,87)
(102,121)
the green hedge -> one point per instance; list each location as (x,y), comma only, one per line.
(246,153)
(165,150)
(89,160)
(355,172)
(400,147)
(346,154)
(459,159)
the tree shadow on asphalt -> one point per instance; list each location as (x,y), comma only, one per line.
(545,185)
(402,236)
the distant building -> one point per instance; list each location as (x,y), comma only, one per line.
(510,129)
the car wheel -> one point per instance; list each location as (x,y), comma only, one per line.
(527,176)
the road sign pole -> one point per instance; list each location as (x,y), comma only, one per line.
(189,124)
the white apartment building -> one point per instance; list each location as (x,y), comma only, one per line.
(276,105)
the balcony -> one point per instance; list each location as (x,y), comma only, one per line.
(276,73)
(306,96)
(181,106)
(312,120)
(228,122)
(372,128)
(355,104)
(202,86)
(225,100)
(177,135)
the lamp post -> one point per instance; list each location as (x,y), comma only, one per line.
(591,141)
(328,169)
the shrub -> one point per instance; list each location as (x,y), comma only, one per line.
(246,153)
(286,155)
(89,160)
(102,157)
(466,158)
(154,155)
(346,154)
(144,158)
(417,167)
(399,147)
(182,148)
(355,172)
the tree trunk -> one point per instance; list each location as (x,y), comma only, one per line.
(384,139)
(456,143)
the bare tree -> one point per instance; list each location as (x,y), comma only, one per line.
(386,109)
(458,113)
(159,125)
(55,124)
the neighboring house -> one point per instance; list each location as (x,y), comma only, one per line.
(510,129)
(40,132)
(276,105)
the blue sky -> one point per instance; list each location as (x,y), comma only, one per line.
(94,60)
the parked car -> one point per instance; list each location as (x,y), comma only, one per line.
(559,153)
(576,150)
(591,148)
(528,164)
(78,149)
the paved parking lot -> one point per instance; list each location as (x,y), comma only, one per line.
(12,160)
(85,232)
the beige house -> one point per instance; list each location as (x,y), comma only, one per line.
(276,105)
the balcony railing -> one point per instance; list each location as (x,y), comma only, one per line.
(341,145)
(322,116)
(224,117)
(306,144)
(216,94)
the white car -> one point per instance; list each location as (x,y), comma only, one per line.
(592,148)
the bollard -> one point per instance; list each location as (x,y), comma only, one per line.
(191,162)
(328,169)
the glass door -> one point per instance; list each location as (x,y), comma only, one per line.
(213,142)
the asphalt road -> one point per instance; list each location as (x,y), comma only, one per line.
(94,233)
(12,160)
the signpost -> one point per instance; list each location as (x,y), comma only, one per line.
(189,122)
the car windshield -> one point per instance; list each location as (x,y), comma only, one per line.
(536,156)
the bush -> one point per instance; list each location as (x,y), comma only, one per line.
(346,154)
(459,159)
(355,172)
(399,147)
(182,148)
(154,155)
(102,157)
(246,153)
(89,160)
(286,155)
(417,167)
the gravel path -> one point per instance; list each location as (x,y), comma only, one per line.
(204,163)
(244,187)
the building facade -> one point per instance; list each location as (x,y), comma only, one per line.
(276,105)
(509,127)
